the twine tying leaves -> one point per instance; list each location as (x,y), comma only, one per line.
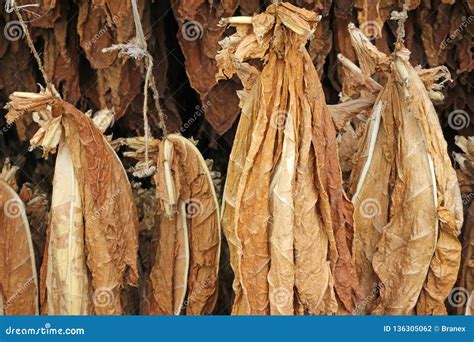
(401,17)
(137,49)
(29,41)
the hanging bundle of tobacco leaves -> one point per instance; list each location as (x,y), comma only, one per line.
(18,276)
(92,236)
(186,238)
(407,203)
(357,98)
(285,214)
(463,296)
(185,247)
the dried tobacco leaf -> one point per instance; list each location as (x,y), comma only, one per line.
(198,36)
(465,161)
(61,60)
(37,211)
(406,197)
(350,116)
(285,215)
(100,24)
(17,74)
(369,17)
(18,276)
(320,45)
(67,283)
(165,272)
(187,236)
(96,188)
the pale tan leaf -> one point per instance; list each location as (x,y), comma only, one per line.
(370,59)
(67,283)
(282,270)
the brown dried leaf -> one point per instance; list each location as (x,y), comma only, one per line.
(61,60)
(44,15)
(161,279)
(111,224)
(321,44)
(314,277)
(198,35)
(37,210)
(369,17)
(282,271)
(465,161)
(344,112)
(370,59)
(100,24)
(18,276)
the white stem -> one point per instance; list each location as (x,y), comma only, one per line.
(239,20)
(170,206)
(348,64)
(376,117)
